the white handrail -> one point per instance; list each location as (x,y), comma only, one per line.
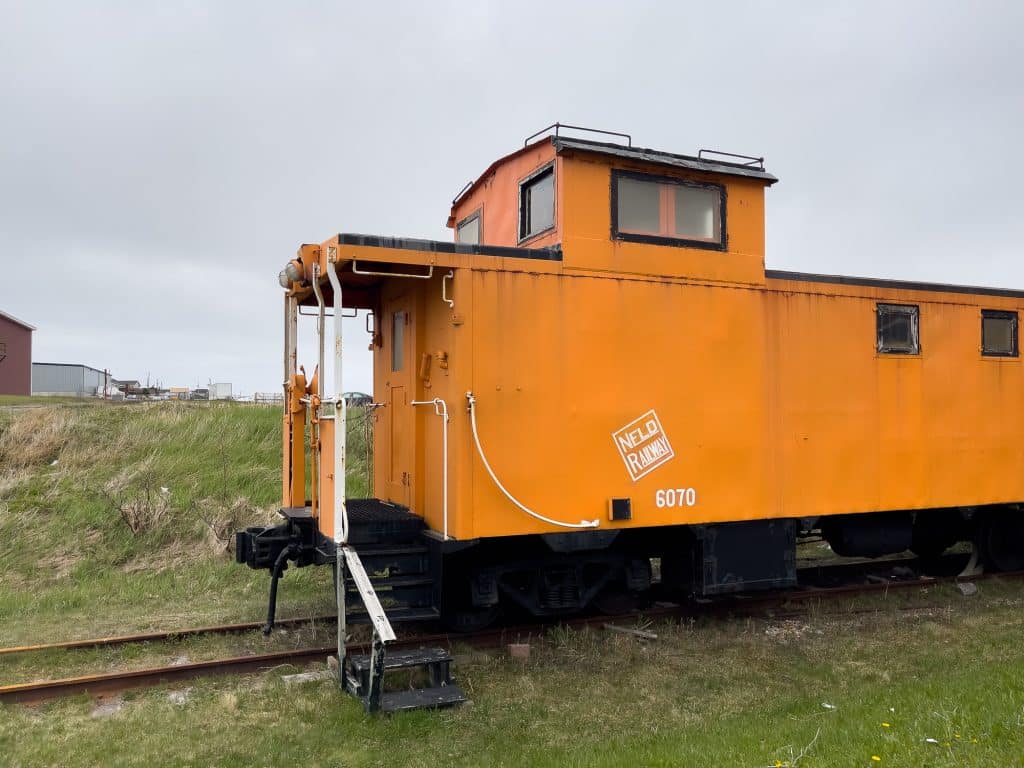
(441,409)
(381,623)
(497,482)
(321,313)
(356,270)
(340,415)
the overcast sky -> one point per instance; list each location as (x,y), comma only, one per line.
(159,162)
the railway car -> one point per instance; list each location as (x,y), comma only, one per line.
(598,373)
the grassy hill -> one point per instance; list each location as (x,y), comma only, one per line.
(119,517)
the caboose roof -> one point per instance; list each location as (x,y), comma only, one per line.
(657,157)
(628,152)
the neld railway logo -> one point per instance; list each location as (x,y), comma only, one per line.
(643,445)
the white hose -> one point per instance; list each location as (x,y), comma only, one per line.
(497,482)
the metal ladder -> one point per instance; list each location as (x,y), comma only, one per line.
(362,675)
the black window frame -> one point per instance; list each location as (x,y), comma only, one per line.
(526,182)
(912,310)
(722,244)
(1000,314)
(477,214)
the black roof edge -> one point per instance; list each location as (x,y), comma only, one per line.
(663,158)
(878,282)
(551,253)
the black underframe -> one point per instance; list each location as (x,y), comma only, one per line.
(999,314)
(720,245)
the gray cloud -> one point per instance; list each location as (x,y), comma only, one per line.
(159,162)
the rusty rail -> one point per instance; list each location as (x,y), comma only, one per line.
(97,685)
(147,637)
(100,684)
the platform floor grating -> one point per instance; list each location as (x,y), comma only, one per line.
(377,511)
(372,520)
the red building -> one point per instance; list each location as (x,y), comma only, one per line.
(15,356)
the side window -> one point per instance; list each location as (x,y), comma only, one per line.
(537,203)
(468,230)
(897,329)
(999,333)
(663,210)
(397,340)
(3,350)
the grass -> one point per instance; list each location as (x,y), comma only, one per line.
(120,518)
(745,692)
(741,693)
(37,400)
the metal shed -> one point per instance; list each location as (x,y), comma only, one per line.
(68,380)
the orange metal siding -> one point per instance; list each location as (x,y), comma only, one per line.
(769,390)
(498,198)
(856,430)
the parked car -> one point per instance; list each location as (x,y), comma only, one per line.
(356,398)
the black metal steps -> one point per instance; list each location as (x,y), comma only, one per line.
(393,578)
(424,698)
(358,615)
(441,692)
(399,570)
(383,583)
(372,521)
(402,659)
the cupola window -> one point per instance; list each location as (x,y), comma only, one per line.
(537,203)
(657,209)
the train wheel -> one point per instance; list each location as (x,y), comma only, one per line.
(1001,541)
(458,613)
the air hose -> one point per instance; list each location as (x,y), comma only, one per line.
(509,496)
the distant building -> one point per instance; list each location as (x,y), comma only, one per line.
(15,356)
(68,380)
(220,391)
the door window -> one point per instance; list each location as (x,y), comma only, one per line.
(397,341)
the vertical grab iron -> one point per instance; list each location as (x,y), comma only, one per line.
(340,436)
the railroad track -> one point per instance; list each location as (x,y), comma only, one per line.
(162,636)
(108,683)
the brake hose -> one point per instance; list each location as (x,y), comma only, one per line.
(497,482)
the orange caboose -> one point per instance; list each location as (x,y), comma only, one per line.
(599,371)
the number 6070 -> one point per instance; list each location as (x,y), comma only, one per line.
(675,497)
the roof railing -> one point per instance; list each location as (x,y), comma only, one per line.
(751,160)
(462,191)
(559,126)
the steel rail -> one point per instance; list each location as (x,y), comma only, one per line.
(146,637)
(35,692)
(818,568)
